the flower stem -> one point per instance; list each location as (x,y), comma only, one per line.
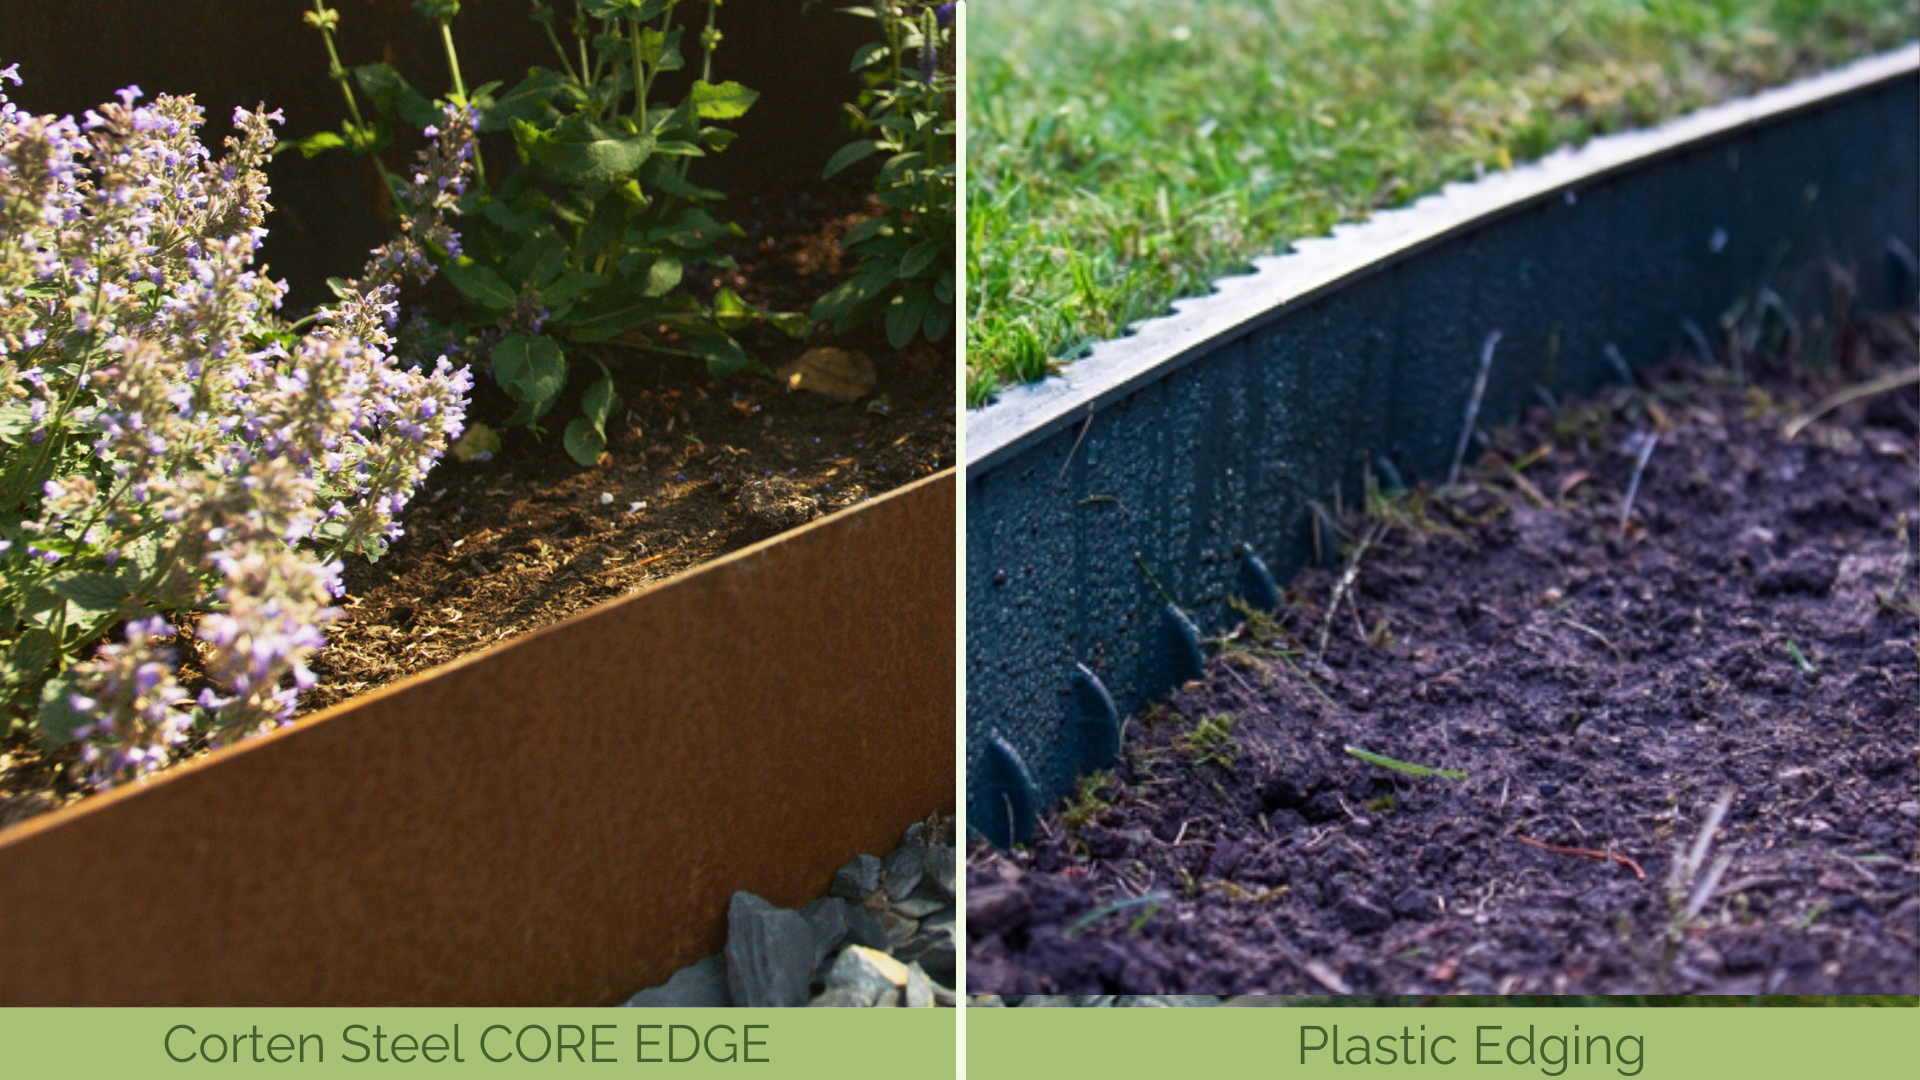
(339,73)
(460,91)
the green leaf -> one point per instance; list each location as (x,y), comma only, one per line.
(938,320)
(320,142)
(717,139)
(921,255)
(723,355)
(600,401)
(690,228)
(577,149)
(848,154)
(722,101)
(870,53)
(903,316)
(58,717)
(532,369)
(608,221)
(609,317)
(731,313)
(93,593)
(635,10)
(481,285)
(517,222)
(393,96)
(538,98)
(15,422)
(667,178)
(663,276)
(880,225)
(571,285)
(729,310)
(584,442)
(539,259)
(29,656)
(794,324)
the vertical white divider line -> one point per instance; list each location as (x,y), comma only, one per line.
(960,537)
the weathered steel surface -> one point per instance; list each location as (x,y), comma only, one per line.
(558,820)
(1139,477)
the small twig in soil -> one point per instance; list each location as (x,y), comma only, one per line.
(1811,915)
(1633,486)
(1473,407)
(1525,486)
(1307,679)
(1407,767)
(1608,855)
(1892,381)
(1686,879)
(1595,635)
(1317,971)
(1347,578)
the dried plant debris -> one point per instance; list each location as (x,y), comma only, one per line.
(882,937)
(1680,681)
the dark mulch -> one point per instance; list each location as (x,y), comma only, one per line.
(1752,631)
(502,547)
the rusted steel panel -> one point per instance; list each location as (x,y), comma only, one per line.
(558,820)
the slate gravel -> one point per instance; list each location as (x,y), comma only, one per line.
(883,936)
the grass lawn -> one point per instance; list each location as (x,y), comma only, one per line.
(1123,153)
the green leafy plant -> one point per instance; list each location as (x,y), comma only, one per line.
(583,248)
(906,252)
(1211,741)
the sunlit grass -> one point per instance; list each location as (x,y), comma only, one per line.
(1123,153)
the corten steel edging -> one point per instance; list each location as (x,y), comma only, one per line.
(556,821)
(1212,432)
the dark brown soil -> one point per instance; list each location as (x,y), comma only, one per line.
(501,547)
(1751,631)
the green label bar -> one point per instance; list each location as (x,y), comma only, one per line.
(1516,1043)
(490,1042)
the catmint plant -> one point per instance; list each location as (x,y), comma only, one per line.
(906,253)
(179,469)
(581,251)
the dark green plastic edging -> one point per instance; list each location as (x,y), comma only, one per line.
(1114,510)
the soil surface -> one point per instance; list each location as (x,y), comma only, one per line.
(696,467)
(1750,632)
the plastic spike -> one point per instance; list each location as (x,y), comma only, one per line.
(1186,661)
(1256,584)
(1094,722)
(1008,792)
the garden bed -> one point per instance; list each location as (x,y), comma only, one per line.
(557,820)
(1116,512)
(505,546)
(1601,651)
